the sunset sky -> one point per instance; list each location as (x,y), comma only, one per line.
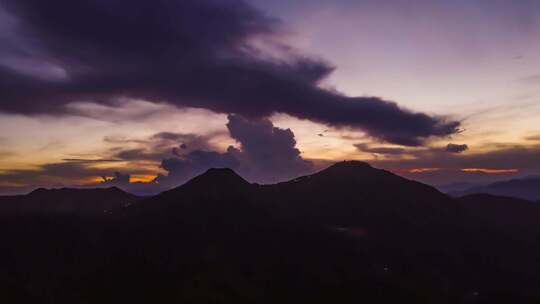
(147,94)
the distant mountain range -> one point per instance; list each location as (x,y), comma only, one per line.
(348,234)
(524,188)
(66,201)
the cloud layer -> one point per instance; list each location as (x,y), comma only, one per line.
(455,148)
(196,53)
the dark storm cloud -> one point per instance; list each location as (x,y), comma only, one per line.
(454,148)
(189,53)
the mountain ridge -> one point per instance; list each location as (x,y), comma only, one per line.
(349,233)
(523,188)
(67,201)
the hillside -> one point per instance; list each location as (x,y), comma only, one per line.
(350,233)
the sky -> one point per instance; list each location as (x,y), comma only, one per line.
(146,94)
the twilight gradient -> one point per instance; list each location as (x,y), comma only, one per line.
(477,62)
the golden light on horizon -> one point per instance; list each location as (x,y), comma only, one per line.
(423,170)
(489,171)
(141,178)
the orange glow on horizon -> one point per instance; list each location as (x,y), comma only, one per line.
(141,178)
(423,170)
(489,171)
(91,181)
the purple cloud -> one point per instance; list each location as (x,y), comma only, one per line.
(194,53)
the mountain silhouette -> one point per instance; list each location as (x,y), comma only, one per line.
(67,201)
(217,192)
(524,188)
(350,233)
(353,191)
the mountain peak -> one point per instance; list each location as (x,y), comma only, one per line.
(38,191)
(350,164)
(219,176)
(352,172)
(351,168)
(221,173)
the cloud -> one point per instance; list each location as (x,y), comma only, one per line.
(510,159)
(86,160)
(138,154)
(158,146)
(531,79)
(181,169)
(418,152)
(453,148)
(60,173)
(190,53)
(451,176)
(266,154)
(119,180)
(78,173)
(4,153)
(380,150)
(533,138)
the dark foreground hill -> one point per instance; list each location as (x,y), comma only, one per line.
(348,234)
